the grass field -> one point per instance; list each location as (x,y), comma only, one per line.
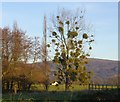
(57,93)
(59,87)
(62,96)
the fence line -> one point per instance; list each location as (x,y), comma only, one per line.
(102,86)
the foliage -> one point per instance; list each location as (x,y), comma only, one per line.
(17,50)
(70,44)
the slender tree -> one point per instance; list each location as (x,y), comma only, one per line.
(44,55)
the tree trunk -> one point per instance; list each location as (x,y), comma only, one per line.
(18,85)
(7,88)
(29,85)
(23,86)
(46,85)
(11,85)
(66,84)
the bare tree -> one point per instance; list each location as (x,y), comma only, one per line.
(11,51)
(17,50)
(44,55)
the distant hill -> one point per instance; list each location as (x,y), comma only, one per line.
(102,69)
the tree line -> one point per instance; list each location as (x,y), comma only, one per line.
(17,50)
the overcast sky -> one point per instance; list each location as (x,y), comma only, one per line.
(103,16)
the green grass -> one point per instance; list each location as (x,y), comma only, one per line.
(74,87)
(57,93)
(59,88)
(38,93)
